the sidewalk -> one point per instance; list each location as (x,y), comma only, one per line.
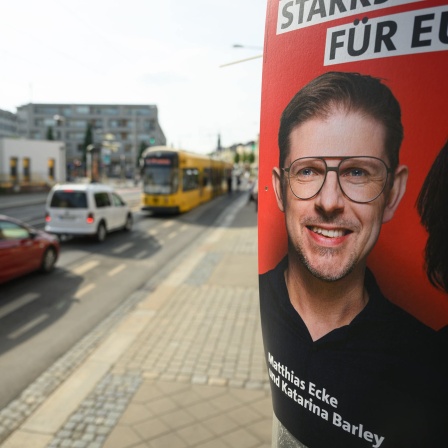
(15,200)
(182,367)
(21,199)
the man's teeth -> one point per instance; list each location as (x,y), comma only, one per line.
(328,233)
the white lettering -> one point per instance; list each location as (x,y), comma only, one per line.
(378,441)
(281,373)
(337,419)
(412,32)
(322,395)
(294,15)
(285,372)
(275,379)
(357,430)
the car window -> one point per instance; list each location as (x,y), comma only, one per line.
(118,202)
(69,199)
(102,200)
(12,231)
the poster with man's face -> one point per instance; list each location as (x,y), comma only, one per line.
(320,180)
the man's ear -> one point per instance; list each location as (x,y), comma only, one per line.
(396,193)
(278,188)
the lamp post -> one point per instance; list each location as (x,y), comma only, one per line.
(246,59)
(89,150)
(58,121)
(247,46)
(134,145)
(108,145)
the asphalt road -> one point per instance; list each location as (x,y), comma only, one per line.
(43,316)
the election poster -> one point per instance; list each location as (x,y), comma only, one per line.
(341,170)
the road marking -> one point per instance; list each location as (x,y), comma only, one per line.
(122,248)
(29,326)
(18,303)
(84,291)
(152,232)
(172,235)
(155,242)
(184,226)
(61,304)
(141,254)
(86,267)
(116,270)
(167,224)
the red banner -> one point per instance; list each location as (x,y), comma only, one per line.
(404,43)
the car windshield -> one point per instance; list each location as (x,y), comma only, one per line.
(69,199)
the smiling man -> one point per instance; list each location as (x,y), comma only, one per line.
(327,329)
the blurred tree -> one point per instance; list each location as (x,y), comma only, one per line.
(50,135)
(251,158)
(236,158)
(143,146)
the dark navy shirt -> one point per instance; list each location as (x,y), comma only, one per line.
(381,381)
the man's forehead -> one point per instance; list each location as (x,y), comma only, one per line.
(341,134)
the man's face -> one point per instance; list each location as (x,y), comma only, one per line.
(329,234)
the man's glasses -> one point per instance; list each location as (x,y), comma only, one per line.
(362,179)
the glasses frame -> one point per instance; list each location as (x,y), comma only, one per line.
(336,170)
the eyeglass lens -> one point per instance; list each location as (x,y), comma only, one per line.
(362,179)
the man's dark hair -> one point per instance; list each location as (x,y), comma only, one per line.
(432,205)
(351,92)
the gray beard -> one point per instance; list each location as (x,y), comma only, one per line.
(324,252)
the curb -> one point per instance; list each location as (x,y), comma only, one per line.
(30,416)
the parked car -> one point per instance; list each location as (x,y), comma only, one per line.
(24,249)
(86,209)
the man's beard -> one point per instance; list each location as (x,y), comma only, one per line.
(327,275)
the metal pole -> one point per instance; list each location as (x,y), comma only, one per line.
(134,146)
(241,60)
(89,162)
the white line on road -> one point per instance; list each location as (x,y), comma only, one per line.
(116,270)
(167,224)
(18,303)
(29,326)
(141,254)
(152,232)
(84,291)
(61,304)
(86,267)
(122,248)
(172,235)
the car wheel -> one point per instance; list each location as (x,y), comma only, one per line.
(128,224)
(49,260)
(101,232)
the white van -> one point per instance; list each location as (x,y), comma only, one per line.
(86,209)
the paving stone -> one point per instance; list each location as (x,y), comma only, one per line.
(241,439)
(168,441)
(178,419)
(122,437)
(151,429)
(195,434)
(220,424)
(194,377)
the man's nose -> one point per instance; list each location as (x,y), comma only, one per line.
(330,197)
